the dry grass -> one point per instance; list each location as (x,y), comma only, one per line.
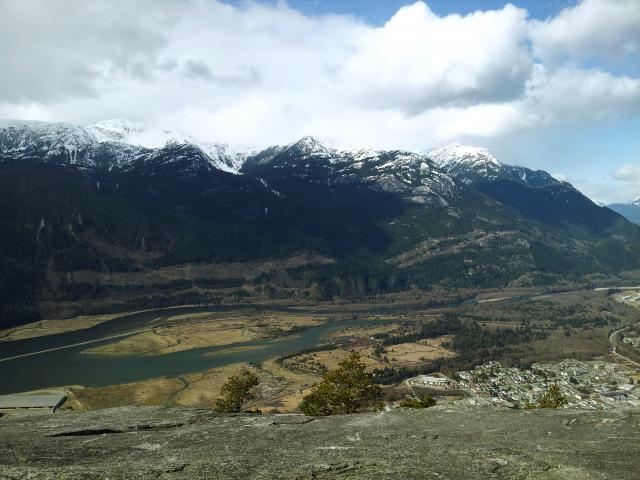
(279,390)
(203,330)
(52,327)
(149,392)
(285,404)
(407,354)
(204,387)
(196,389)
(402,355)
(283,388)
(582,344)
(365,331)
(163,340)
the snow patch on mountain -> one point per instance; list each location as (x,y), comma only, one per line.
(137,133)
(120,144)
(326,160)
(153,136)
(224,157)
(25,138)
(465,162)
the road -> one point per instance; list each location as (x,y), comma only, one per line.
(88,342)
(614,343)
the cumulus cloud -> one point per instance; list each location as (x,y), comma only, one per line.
(438,61)
(261,73)
(592,28)
(628,174)
(579,94)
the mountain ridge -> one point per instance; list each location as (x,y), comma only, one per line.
(468,164)
(76,210)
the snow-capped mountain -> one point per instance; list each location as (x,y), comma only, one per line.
(630,210)
(46,141)
(153,136)
(534,193)
(136,133)
(473,164)
(104,145)
(467,163)
(316,160)
(150,151)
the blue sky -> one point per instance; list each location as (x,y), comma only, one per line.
(547,84)
(378,12)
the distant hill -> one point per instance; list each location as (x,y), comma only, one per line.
(629,210)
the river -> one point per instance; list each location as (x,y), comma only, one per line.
(59,365)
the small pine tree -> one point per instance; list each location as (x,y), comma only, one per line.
(238,390)
(552,398)
(347,389)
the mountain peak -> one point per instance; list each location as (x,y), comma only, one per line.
(316,144)
(137,133)
(456,154)
(154,136)
(309,144)
(467,162)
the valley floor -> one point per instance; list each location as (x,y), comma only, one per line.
(572,325)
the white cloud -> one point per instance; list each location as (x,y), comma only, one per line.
(262,74)
(594,28)
(53,50)
(419,60)
(628,174)
(570,93)
(626,185)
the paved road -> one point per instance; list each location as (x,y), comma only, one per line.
(614,343)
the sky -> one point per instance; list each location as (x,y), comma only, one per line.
(551,85)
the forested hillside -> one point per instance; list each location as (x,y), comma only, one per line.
(91,225)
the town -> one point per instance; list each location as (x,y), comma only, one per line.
(586,385)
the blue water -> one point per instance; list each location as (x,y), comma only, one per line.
(70,367)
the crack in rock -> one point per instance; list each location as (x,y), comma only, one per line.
(103,431)
(86,432)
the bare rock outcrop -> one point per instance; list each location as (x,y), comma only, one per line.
(444,442)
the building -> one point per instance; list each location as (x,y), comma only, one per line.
(51,401)
(429,381)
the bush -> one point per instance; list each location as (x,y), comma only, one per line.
(347,389)
(238,390)
(552,398)
(423,402)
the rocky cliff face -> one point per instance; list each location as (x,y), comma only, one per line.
(446,442)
